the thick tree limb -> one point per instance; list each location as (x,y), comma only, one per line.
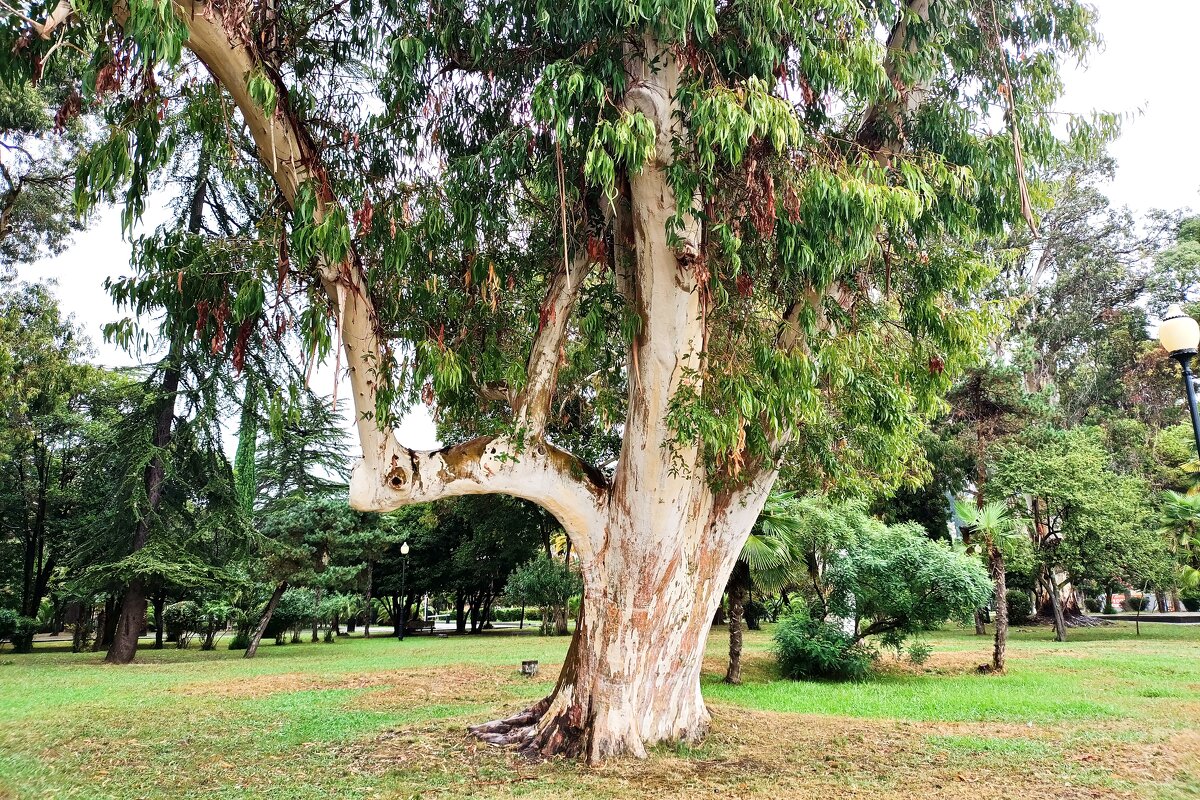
(287,151)
(532,408)
(575,493)
(61,13)
(882,128)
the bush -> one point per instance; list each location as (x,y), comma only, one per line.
(1136,603)
(509,614)
(1093,604)
(810,648)
(17,629)
(1020,608)
(182,621)
(1190,599)
(919,652)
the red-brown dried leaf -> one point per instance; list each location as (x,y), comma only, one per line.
(107,79)
(201,316)
(69,110)
(239,346)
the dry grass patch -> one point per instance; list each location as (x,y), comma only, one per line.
(751,754)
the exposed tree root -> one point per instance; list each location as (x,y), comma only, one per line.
(526,733)
(1075,621)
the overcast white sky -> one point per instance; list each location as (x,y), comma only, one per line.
(1148,64)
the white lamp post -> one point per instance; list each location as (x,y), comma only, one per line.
(403,596)
(1180,336)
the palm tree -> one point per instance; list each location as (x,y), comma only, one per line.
(991,526)
(1181,524)
(766,561)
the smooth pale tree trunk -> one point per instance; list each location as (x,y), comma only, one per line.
(656,546)
(996,567)
(265,619)
(738,591)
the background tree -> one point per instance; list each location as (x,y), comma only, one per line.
(546,582)
(48,395)
(1084,518)
(767,558)
(995,531)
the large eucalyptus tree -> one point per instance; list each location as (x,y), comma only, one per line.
(637,254)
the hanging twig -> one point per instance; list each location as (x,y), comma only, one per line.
(562,206)
(1018,155)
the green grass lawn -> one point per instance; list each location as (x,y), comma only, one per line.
(1107,714)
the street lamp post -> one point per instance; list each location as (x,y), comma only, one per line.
(1180,336)
(403,595)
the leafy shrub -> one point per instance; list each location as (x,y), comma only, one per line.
(548,583)
(1136,603)
(214,619)
(1109,609)
(754,614)
(897,582)
(509,614)
(813,648)
(919,652)
(1190,598)
(1093,604)
(183,620)
(296,607)
(1020,608)
(17,629)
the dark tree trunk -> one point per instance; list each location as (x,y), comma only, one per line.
(316,621)
(133,607)
(1161,599)
(980,623)
(79,635)
(738,589)
(460,617)
(57,622)
(265,619)
(996,566)
(1060,623)
(106,630)
(160,601)
(369,610)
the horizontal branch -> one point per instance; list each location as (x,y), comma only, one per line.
(570,489)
